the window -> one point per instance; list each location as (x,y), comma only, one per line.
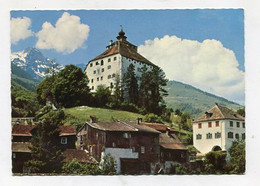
(92,88)
(111,85)
(133,149)
(113,144)
(109,67)
(243,136)
(92,80)
(14,155)
(209,136)
(199,125)
(98,79)
(96,136)
(94,72)
(217,123)
(90,149)
(126,135)
(97,63)
(63,140)
(109,59)
(198,136)
(230,135)
(243,124)
(113,75)
(218,135)
(114,58)
(91,64)
(109,77)
(209,124)
(142,149)
(231,123)
(102,62)
(102,70)
(101,78)
(237,136)
(238,124)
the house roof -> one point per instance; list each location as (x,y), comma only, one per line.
(171,141)
(25,130)
(122,126)
(80,155)
(22,130)
(158,126)
(124,48)
(20,147)
(219,112)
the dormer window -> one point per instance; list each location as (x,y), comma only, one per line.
(208,115)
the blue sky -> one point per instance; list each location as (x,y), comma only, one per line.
(218,33)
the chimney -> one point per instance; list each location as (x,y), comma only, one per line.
(139,121)
(92,118)
(168,131)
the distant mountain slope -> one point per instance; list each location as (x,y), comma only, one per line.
(34,63)
(193,100)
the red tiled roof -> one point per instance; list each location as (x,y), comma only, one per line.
(22,130)
(67,130)
(122,47)
(220,112)
(111,126)
(80,155)
(158,126)
(25,130)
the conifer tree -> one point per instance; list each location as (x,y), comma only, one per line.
(117,90)
(45,152)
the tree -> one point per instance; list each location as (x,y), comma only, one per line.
(144,88)
(68,88)
(45,153)
(117,96)
(215,162)
(102,96)
(130,86)
(108,165)
(241,112)
(237,162)
(75,167)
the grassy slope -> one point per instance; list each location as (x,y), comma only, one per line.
(192,100)
(82,114)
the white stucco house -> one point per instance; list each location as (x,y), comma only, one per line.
(114,60)
(217,129)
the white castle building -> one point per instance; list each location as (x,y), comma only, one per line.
(217,129)
(118,56)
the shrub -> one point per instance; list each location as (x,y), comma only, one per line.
(152,118)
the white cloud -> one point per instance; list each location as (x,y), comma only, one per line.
(20,29)
(66,36)
(207,65)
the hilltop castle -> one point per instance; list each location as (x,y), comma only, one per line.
(116,59)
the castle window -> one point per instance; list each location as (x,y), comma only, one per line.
(98,79)
(102,70)
(243,124)
(102,62)
(109,67)
(111,85)
(113,75)
(97,63)
(114,58)
(101,78)
(198,136)
(217,123)
(218,135)
(92,88)
(92,80)
(63,140)
(209,124)
(230,135)
(209,136)
(109,77)
(94,72)
(199,125)
(231,123)
(243,136)
(237,136)
(109,59)
(238,124)
(91,64)
(142,149)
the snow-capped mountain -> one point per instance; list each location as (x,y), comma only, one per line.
(32,61)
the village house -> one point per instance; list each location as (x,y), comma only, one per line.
(103,69)
(217,129)
(22,134)
(137,147)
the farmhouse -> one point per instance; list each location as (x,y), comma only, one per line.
(103,69)
(138,148)
(217,129)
